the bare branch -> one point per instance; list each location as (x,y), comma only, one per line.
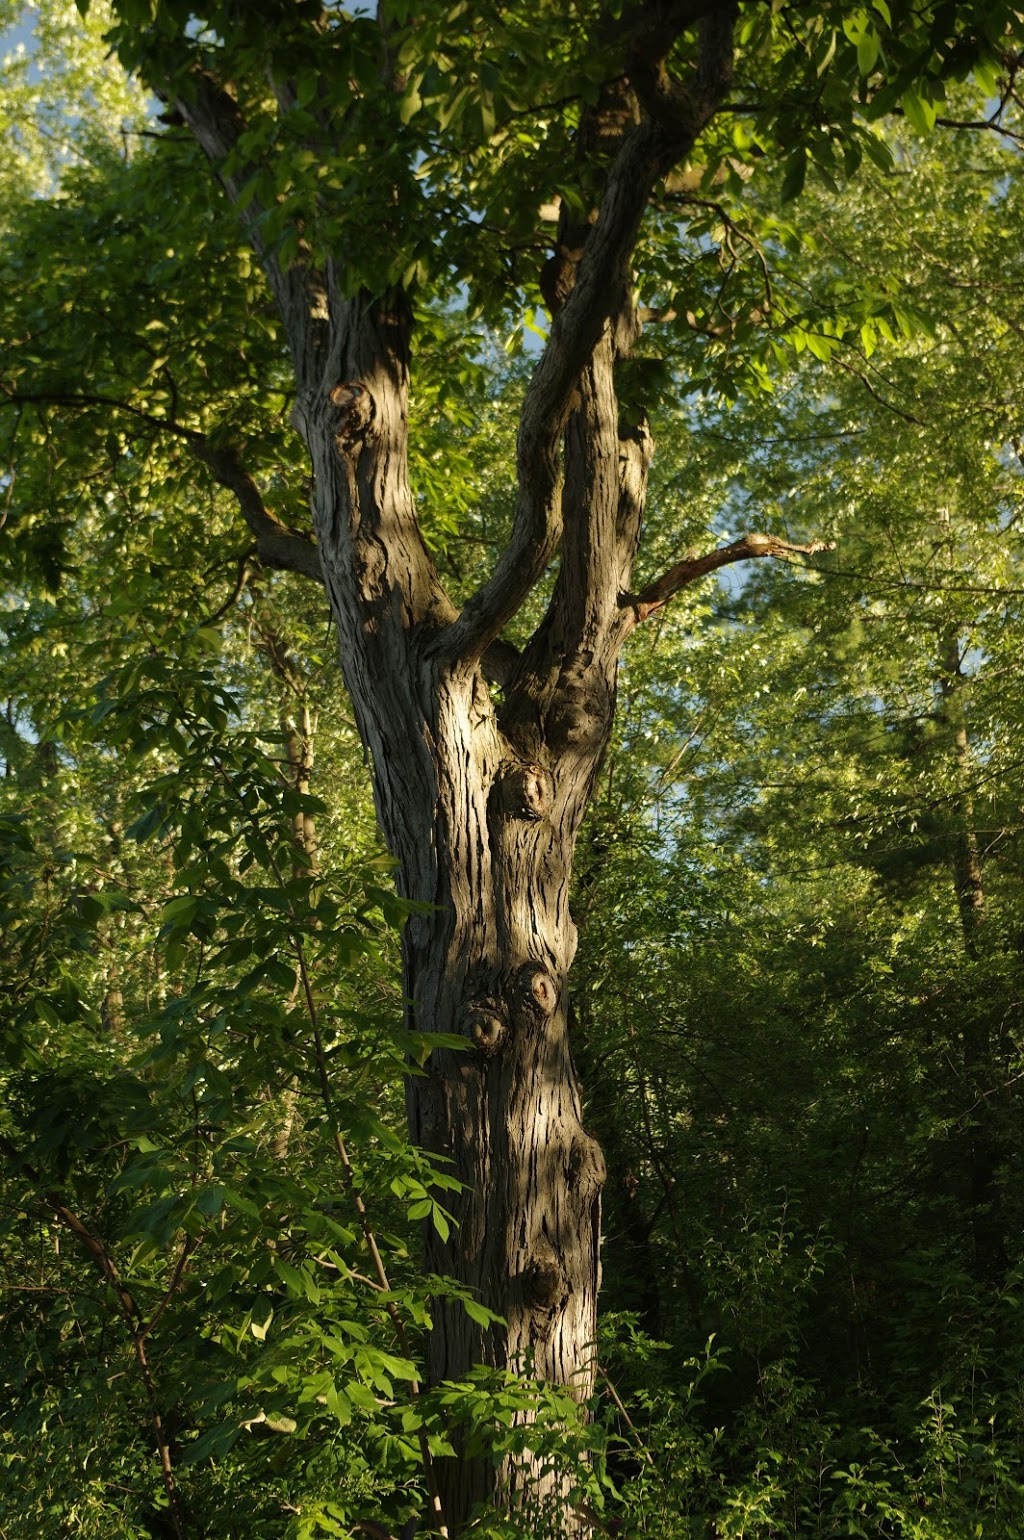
(84,399)
(890,406)
(188,1247)
(238,588)
(747,548)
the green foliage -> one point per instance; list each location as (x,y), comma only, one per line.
(801,1061)
(165,1124)
(59,106)
(801,1051)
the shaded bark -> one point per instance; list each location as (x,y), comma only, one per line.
(480,799)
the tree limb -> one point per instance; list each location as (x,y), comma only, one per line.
(218,125)
(747,548)
(669,102)
(599,293)
(276,545)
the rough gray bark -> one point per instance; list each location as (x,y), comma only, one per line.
(481,801)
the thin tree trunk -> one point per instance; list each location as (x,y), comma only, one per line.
(965,855)
(984,1156)
(298,733)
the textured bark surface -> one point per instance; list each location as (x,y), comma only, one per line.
(480,797)
(482,806)
(482,809)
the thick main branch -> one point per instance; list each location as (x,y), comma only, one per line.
(598,294)
(276,544)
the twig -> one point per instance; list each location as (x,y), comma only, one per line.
(627,1419)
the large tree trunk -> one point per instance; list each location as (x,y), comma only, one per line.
(481,804)
(490,964)
(481,807)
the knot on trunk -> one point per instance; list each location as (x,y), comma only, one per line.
(355,412)
(536,990)
(586,1171)
(580,713)
(558,279)
(525,791)
(546,1284)
(484,1023)
(544,1278)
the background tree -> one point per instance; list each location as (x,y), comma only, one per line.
(814,1149)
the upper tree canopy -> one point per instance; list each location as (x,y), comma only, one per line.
(427,147)
(481,158)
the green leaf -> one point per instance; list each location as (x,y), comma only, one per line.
(920,111)
(240,1203)
(479,1313)
(260,1320)
(340,1404)
(795,174)
(868,49)
(210,1201)
(878,151)
(209,638)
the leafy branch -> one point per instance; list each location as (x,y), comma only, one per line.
(137,1326)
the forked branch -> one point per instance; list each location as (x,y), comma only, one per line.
(601,286)
(747,548)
